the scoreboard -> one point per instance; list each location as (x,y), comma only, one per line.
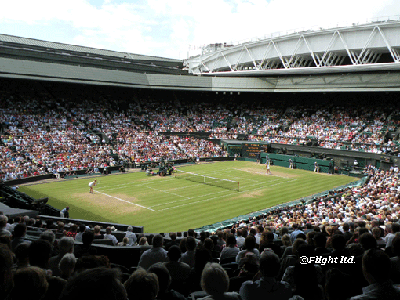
(252,149)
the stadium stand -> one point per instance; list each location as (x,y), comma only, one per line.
(51,130)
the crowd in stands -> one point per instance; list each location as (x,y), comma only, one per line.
(344,245)
(57,131)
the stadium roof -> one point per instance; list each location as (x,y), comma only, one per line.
(26,48)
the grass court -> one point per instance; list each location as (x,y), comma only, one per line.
(168,204)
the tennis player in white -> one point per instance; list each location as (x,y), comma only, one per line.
(91,185)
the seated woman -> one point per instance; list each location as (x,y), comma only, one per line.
(215,282)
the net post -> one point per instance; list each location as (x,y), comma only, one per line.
(238,186)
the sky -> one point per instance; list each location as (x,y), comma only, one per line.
(176,28)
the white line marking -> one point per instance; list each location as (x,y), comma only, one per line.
(119,199)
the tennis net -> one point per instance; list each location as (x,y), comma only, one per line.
(219,182)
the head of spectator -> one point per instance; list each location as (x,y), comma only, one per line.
(125,242)
(6,264)
(3,221)
(231,241)
(60,227)
(29,283)
(320,240)
(310,237)
(143,241)
(172,236)
(164,278)
(19,230)
(96,230)
(395,227)
(108,230)
(250,265)
(142,285)
(192,233)
(367,241)
(158,241)
(375,266)
(174,253)
(296,244)
(39,253)
(182,245)
(82,228)
(49,236)
(250,243)
(87,237)
(338,242)
(284,230)
(269,264)
(396,245)
(286,242)
(201,257)
(214,280)
(66,245)
(190,243)
(209,244)
(102,283)
(22,255)
(67,265)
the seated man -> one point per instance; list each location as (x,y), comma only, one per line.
(376,266)
(109,236)
(154,255)
(131,236)
(267,287)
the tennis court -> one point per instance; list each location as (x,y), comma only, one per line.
(166,204)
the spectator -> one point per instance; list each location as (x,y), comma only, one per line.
(6,278)
(375,265)
(66,245)
(267,287)
(229,253)
(239,238)
(109,236)
(153,255)
(250,249)
(215,281)
(201,257)
(22,256)
(19,234)
(78,236)
(164,280)
(179,271)
(102,283)
(188,256)
(72,232)
(131,236)
(124,243)
(296,231)
(97,233)
(29,283)
(39,255)
(3,224)
(142,285)
(67,266)
(86,248)
(267,242)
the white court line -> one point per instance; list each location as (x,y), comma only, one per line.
(119,199)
